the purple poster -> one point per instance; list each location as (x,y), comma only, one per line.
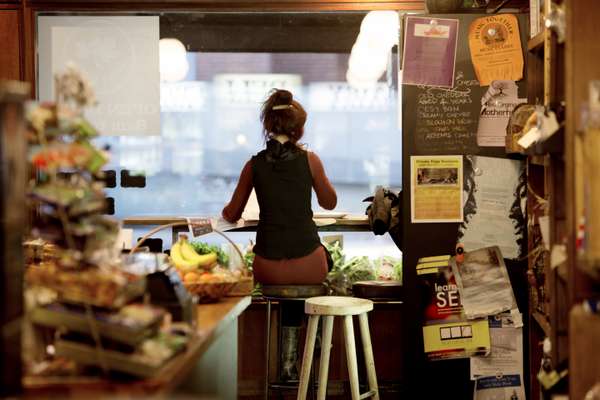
(429,51)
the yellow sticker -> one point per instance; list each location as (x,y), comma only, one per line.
(495,45)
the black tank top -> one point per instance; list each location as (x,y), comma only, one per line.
(283,184)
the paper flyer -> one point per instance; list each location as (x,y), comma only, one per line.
(497,106)
(483,283)
(436,189)
(429,51)
(446,331)
(495,205)
(506,356)
(495,46)
(505,387)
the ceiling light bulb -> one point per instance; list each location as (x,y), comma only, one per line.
(383,26)
(173,60)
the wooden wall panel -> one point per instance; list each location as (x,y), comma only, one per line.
(10,56)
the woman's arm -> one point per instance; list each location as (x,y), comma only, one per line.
(324,189)
(233,210)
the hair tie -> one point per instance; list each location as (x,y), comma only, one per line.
(282,107)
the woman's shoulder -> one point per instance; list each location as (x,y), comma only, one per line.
(312,156)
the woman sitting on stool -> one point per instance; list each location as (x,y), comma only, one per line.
(288,249)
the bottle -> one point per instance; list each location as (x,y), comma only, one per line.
(514,395)
(544,375)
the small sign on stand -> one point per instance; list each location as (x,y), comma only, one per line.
(200,226)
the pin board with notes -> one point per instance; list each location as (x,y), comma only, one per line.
(444,121)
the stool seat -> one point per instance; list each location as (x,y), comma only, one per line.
(337,305)
(293,291)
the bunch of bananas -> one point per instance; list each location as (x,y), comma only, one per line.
(186,259)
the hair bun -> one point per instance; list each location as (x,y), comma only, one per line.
(282,97)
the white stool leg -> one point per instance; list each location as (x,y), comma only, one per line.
(368,353)
(309,348)
(325,351)
(351,357)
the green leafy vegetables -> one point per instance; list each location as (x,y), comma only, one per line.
(345,273)
(205,248)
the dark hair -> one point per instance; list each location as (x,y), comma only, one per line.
(287,118)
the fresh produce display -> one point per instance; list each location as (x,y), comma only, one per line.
(185,258)
(205,248)
(201,274)
(67,191)
(109,287)
(360,268)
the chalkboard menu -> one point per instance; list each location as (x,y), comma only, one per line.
(446,120)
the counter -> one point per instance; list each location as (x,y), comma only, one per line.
(215,322)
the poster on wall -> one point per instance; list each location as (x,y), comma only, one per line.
(429,51)
(436,189)
(506,387)
(497,106)
(506,356)
(120,57)
(495,205)
(447,334)
(495,46)
(483,283)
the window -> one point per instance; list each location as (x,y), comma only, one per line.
(210,119)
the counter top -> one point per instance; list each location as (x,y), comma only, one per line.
(348,223)
(213,319)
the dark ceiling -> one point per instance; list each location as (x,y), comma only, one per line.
(323,32)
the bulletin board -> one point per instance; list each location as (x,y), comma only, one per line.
(447,126)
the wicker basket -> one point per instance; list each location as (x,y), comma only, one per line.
(210,292)
(244,287)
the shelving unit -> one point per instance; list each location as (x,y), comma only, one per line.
(549,313)
(536,42)
(564,72)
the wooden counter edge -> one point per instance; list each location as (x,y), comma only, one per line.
(163,220)
(173,373)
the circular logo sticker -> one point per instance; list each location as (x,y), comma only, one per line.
(494,34)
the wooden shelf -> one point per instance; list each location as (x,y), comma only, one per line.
(542,322)
(536,42)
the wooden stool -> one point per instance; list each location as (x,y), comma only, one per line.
(329,307)
(280,293)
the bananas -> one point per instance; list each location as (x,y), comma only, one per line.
(185,258)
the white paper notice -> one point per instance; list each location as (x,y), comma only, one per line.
(505,387)
(483,283)
(493,206)
(497,105)
(506,356)
(120,57)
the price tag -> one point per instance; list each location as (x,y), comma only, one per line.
(530,137)
(200,226)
